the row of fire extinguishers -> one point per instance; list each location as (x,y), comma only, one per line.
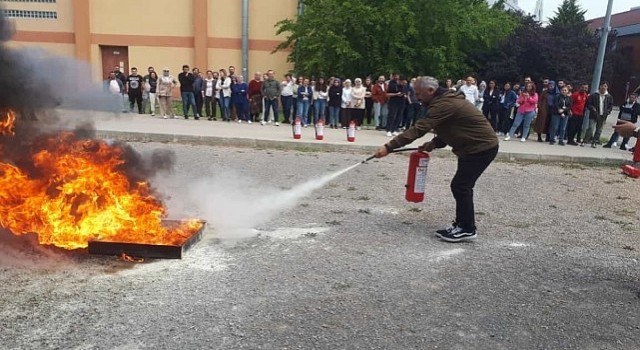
(297,130)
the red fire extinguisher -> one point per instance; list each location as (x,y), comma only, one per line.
(320,129)
(417,176)
(297,129)
(633,170)
(351,131)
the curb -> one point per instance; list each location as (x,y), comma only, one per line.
(303,146)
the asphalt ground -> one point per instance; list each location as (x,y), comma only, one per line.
(350,266)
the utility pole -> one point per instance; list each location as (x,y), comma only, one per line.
(597,72)
(604,35)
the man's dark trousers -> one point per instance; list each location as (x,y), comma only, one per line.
(470,167)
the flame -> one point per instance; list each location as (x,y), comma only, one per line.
(77,192)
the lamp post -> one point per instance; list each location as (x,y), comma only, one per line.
(597,72)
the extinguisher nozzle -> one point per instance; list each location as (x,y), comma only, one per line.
(368,159)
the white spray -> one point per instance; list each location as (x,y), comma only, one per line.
(233,205)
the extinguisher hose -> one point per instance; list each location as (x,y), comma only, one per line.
(393,151)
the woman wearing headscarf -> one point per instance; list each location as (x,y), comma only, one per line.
(347,102)
(546,107)
(358,102)
(164,89)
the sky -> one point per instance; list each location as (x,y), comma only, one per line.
(595,8)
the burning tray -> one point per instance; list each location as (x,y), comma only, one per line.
(146,250)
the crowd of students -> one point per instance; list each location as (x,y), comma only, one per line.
(558,112)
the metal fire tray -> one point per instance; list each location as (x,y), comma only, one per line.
(145,250)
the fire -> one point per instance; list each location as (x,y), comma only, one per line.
(75,191)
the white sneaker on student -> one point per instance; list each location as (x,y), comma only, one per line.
(262,122)
(507,138)
(389,134)
(248,121)
(523,140)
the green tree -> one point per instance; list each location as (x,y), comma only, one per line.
(569,13)
(358,37)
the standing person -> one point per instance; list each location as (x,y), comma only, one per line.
(413,105)
(578,107)
(508,99)
(528,101)
(187,79)
(481,89)
(294,97)
(209,86)
(346,105)
(358,102)
(396,104)
(629,112)
(255,97)
(233,113)
(320,95)
(224,88)
(134,90)
(470,90)
(335,102)
(491,104)
(239,90)
(600,105)
(463,127)
(449,85)
(368,101)
(152,81)
(166,83)
(271,91)
(380,99)
(546,106)
(304,95)
(114,87)
(560,113)
(198,91)
(286,97)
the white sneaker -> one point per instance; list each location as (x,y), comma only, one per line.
(507,138)
(276,124)
(153,114)
(175,117)
(389,134)
(248,121)
(615,144)
(164,117)
(395,133)
(239,121)
(523,140)
(269,122)
(262,122)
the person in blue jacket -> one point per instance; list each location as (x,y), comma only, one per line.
(239,93)
(508,99)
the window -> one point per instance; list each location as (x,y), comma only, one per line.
(43,1)
(29,14)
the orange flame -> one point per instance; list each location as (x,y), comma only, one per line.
(80,194)
(7,125)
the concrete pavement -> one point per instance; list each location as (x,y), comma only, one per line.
(145,128)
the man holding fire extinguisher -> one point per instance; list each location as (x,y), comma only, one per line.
(459,124)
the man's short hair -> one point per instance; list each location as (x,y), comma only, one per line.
(134,68)
(185,66)
(427,82)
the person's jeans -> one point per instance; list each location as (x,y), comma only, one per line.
(334,114)
(286,107)
(242,109)
(136,97)
(152,102)
(558,127)
(470,167)
(319,107)
(225,114)
(574,127)
(411,114)
(210,106)
(188,99)
(594,130)
(395,117)
(493,118)
(525,120)
(303,111)
(199,102)
(380,114)
(271,105)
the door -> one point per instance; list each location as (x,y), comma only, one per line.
(114,56)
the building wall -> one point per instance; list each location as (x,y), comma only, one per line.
(159,33)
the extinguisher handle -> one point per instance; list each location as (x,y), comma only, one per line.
(393,151)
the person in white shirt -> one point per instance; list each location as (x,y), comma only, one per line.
(210,95)
(286,97)
(164,90)
(346,103)
(470,90)
(224,87)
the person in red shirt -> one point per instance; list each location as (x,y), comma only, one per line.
(255,96)
(578,106)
